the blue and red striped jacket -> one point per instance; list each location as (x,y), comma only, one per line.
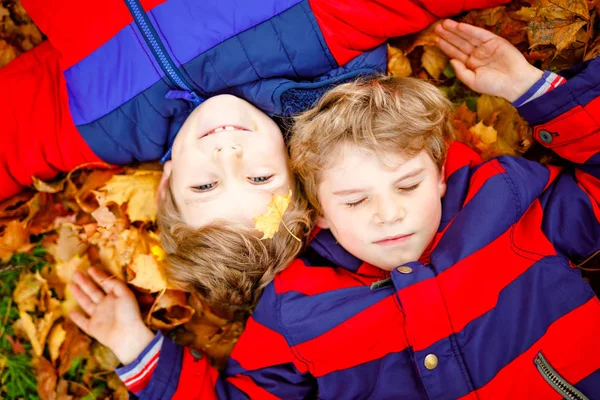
(494,310)
(117,78)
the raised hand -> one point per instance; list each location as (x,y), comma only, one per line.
(485,62)
(113,315)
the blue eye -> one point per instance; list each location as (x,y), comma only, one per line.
(260,179)
(204,188)
(356,203)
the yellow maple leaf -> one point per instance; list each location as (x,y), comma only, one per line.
(398,63)
(434,60)
(138,190)
(487,134)
(268,223)
(147,273)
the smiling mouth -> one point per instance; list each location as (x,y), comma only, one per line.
(223,128)
(393,240)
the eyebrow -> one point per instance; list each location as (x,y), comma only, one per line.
(211,196)
(403,177)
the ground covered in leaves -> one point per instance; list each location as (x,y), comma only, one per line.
(103,216)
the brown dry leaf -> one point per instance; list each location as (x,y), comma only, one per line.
(593,49)
(7,53)
(46,378)
(146,273)
(559,33)
(85,196)
(138,190)
(68,244)
(170,310)
(398,63)
(66,270)
(118,386)
(106,219)
(434,61)
(55,340)
(14,239)
(27,291)
(577,7)
(76,345)
(486,134)
(16,346)
(508,25)
(107,361)
(27,324)
(268,223)
(16,207)
(48,187)
(427,37)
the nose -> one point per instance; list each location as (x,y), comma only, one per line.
(223,152)
(389,210)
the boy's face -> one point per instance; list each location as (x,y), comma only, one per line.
(228,159)
(384,214)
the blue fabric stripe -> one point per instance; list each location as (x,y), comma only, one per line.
(568,218)
(307,317)
(578,90)
(527,96)
(392,377)
(590,385)
(192,27)
(548,290)
(457,187)
(166,375)
(283,381)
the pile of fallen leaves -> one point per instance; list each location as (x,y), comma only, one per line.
(105,217)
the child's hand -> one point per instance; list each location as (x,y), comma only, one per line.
(114,317)
(485,62)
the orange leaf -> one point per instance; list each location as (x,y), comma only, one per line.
(170,310)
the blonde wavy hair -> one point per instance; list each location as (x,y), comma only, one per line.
(382,115)
(225,262)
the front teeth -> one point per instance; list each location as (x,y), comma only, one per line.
(224,128)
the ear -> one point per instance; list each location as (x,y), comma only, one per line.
(442,182)
(164,181)
(322,222)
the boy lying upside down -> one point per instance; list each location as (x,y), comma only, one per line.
(433,275)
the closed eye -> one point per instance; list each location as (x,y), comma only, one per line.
(260,180)
(356,203)
(207,187)
(409,188)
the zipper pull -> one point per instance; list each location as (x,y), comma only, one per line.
(190,96)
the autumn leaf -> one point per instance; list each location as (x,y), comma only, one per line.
(486,134)
(434,61)
(268,223)
(138,190)
(46,378)
(170,310)
(14,239)
(398,63)
(55,340)
(48,187)
(146,273)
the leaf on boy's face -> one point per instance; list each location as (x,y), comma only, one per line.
(268,223)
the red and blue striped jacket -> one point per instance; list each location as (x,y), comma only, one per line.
(117,78)
(495,309)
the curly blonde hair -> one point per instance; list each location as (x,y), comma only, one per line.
(381,115)
(226,262)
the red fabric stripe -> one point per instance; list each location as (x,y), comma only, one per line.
(574,137)
(311,281)
(481,176)
(566,346)
(261,347)
(144,376)
(460,155)
(556,82)
(472,286)
(38,136)
(591,186)
(368,335)
(554,172)
(247,385)
(196,380)
(76,28)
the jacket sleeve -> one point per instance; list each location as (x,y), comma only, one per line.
(567,120)
(37,136)
(350,27)
(261,366)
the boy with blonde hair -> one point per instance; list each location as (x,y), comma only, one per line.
(434,275)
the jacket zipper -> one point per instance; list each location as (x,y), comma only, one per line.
(161,55)
(559,384)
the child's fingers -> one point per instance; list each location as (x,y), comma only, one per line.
(464,74)
(455,40)
(109,283)
(452,51)
(83,299)
(473,31)
(88,287)
(456,28)
(80,320)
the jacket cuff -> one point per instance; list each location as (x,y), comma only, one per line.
(138,374)
(546,83)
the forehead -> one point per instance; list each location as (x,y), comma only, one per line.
(351,160)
